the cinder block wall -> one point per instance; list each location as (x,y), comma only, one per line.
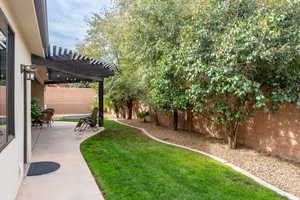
(276,133)
(70,100)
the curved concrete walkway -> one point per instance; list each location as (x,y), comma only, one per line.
(73,181)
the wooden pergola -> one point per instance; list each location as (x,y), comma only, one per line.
(66,66)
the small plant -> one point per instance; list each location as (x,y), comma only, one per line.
(143,115)
(35,108)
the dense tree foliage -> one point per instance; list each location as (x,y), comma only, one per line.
(220,58)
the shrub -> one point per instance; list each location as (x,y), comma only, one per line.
(35,108)
(143,115)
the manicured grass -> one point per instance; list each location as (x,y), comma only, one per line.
(67,120)
(129,166)
(2,123)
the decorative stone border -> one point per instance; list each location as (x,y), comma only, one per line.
(258,180)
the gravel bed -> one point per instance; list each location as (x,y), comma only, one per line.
(282,174)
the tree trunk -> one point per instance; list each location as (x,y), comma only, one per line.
(156,117)
(175,120)
(123,113)
(232,142)
(117,111)
(190,120)
(232,137)
(129,106)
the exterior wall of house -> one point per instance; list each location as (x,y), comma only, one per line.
(275,133)
(12,157)
(70,100)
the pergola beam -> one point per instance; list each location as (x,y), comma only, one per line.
(87,68)
(66,68)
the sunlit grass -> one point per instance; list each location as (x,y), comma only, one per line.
(129,166)
(67,120)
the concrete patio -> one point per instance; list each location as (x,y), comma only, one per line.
(73,180)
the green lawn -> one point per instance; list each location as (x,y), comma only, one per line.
(129,166)
(67,120)
(2,123)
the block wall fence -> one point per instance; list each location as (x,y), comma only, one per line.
(70,100)
(276,133)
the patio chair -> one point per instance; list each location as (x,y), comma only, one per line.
(51,110)
(87,122)
(36,122)
(45,118)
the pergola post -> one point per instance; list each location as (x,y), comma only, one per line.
(101,103)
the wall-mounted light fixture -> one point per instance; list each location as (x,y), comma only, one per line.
(29,71)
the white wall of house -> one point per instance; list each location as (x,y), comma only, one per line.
(11,158)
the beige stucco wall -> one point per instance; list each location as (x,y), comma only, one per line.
(11,158)
(70,100)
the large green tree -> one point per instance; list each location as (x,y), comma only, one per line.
(244,55)
(219,58)
(107,39)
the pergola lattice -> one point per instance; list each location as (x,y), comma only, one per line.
(66,66)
